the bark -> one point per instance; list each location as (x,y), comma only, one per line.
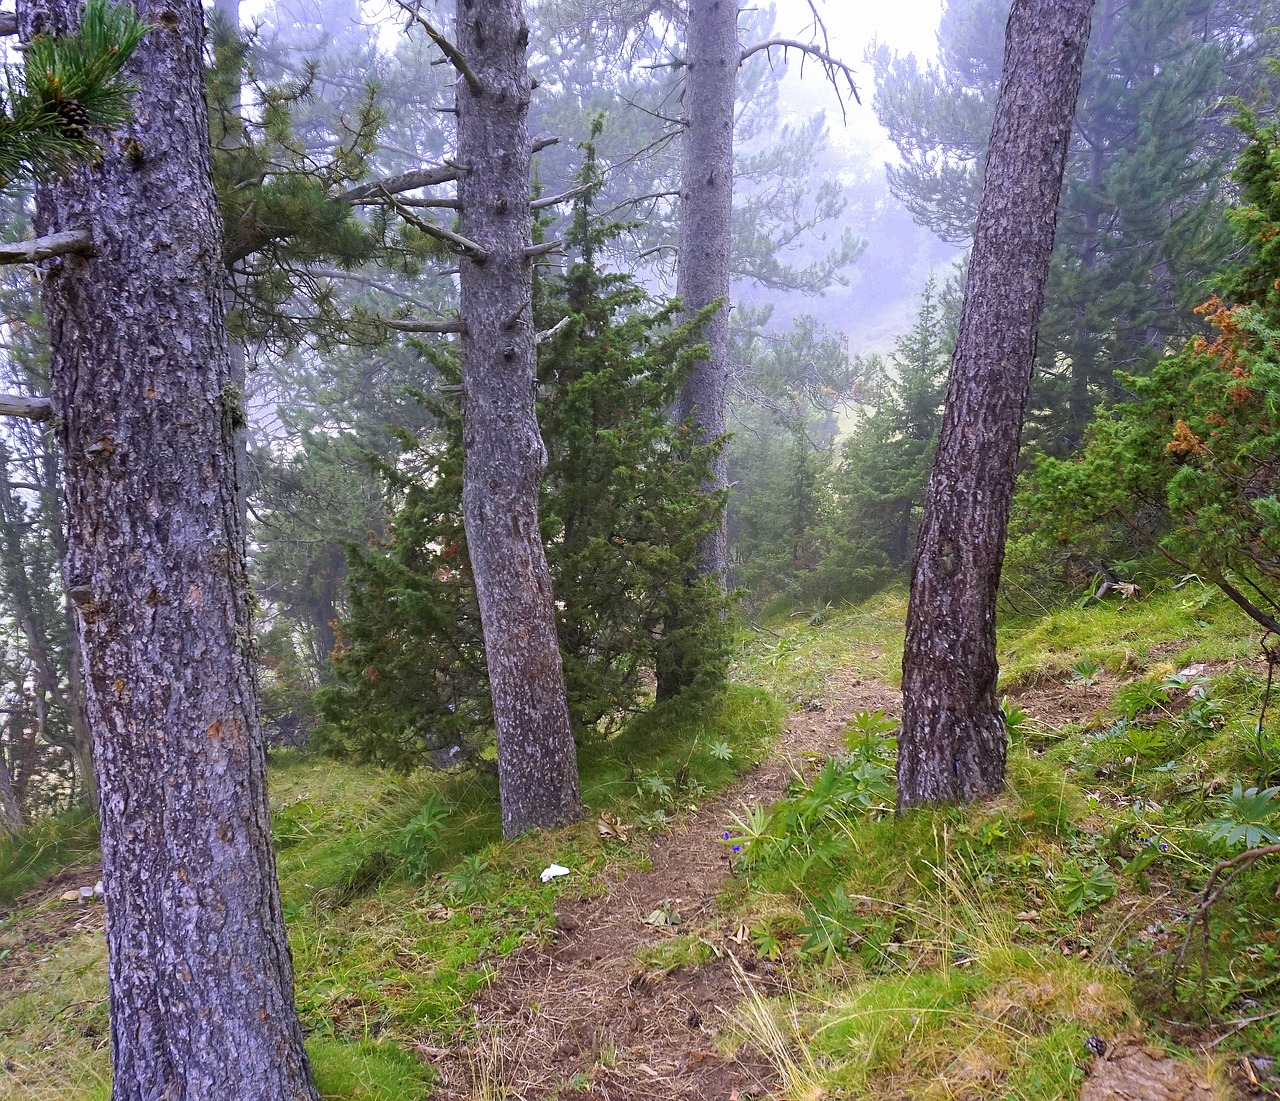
(504,455)
(10,809)
(200,979)
(952,745)
(706,236)
(706,231)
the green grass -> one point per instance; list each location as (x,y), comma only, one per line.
(1190,624)
(384,961)
(31,856)
(794,659)
(916,945)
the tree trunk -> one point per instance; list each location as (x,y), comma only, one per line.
(199,970)
(713,54)
(706,231)
(10,809)
(952,745)
(504,456)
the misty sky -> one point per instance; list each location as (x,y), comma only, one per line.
(906,26)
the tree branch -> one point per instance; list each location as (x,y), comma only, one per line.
(555,200)
(532,252)
(459,242)
(8,23)
(405,181)
(547,334)
(78,242)
(29,408)
(833,66)
(450,51)
(406,326)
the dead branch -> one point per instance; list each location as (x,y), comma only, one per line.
(547,334)
(450,51)
(455,325)
(78,242)
(8,23)
(29,408)
(556,200)
(1214,888)
(462,244)
(835,69)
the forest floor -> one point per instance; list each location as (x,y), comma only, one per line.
(1018,949)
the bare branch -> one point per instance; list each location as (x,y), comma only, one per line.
(405,181)
(555,200)
(406,326)
(446,47)
(459,242)
(19,405)
(544,249)
(8,23)
(78,242)
(547,334)
(833,66)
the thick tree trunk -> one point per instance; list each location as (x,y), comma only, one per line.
(953,739)
(706,231)
(200,977)
(713,54)
(504,456)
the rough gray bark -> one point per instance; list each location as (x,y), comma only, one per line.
(713,55)
(952,745)
(706,232)
(504,456)
(198,960)
(10,810)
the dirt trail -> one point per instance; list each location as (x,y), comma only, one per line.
(582,1007)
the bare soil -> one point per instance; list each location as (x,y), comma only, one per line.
(583,1011)
(35,924)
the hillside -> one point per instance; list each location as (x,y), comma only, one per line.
(1031,947)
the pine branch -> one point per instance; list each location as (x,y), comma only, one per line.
(462,244)
(67,85)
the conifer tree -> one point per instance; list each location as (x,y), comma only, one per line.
(200,980)
(952,745)
(1137,222)
(621,509)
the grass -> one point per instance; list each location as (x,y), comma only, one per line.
(38,851)
(384,960)
(795,659)
(962,952)
(956,952)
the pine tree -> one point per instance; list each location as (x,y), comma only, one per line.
(200,980)
(622,511)
(882,480)
(952,745)
(1137,228)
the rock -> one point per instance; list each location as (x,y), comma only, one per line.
(70,896)
(97,889)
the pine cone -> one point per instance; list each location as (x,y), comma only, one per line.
(74,118)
